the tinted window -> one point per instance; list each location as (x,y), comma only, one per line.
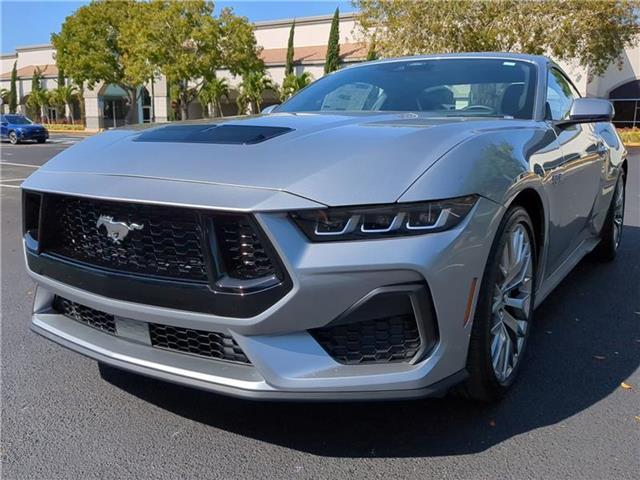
(17,119)
(449,87)
(560,96)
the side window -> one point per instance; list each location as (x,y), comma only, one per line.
(560,96)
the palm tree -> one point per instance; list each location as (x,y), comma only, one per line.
(211,94)
(64,95)
(251,89)
(38,100)
(292,83)
(4,97)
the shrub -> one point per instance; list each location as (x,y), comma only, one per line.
(65,126)
(630,135)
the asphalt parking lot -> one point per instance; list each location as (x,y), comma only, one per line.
(568,416)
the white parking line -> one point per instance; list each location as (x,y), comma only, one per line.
(9,186)
(19,164)
(12,179)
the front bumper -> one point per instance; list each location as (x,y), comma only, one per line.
(327,280)
(33,135)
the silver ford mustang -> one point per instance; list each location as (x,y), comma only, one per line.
(385,233)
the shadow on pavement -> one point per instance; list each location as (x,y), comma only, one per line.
(591,313)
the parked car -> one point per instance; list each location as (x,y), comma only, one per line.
(385,233)
(18,128)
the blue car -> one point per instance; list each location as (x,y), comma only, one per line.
(17,128)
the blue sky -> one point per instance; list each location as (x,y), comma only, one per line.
(31,22)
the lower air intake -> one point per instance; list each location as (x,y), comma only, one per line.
(197,342)
(83,314)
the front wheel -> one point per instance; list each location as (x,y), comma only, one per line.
(42,140)
(505,310)
(13,138)
(612,230)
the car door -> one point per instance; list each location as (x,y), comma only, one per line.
(573,184)
(3,127)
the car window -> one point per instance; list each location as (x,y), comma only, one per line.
(444,87)
(560,95)
(17,119)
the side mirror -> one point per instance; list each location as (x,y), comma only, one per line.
(589,110)
(269,109)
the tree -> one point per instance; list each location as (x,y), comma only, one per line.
(38,98)
(332,59)
(61,80)
(594,32)
(239,49)
(13,89)
(292,83)
(371,53)
(180,40)
(253,85)
(90,48)
(211,94)
(288,68)
(64,95)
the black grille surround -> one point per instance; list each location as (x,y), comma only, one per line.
(197,342)
(183,258)
(214,345)
(83,314)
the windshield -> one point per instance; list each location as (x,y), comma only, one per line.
(447,87)
(17,120)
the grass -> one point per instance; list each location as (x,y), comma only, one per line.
(630,136)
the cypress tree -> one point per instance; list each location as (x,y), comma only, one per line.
(61,81)
(332,59)
(13,92)
(371,53)
(288,68)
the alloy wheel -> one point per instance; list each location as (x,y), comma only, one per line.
(511,307)
(618,212)
(13,138)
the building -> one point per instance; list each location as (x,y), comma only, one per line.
(105,106)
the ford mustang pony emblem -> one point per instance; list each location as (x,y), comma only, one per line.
(116,231)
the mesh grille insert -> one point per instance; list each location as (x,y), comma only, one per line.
(394,339)
(167,245)
(197,342)
(88,316)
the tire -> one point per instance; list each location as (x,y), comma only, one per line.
(496,323)
(611,233)
(13,138)
(42,140)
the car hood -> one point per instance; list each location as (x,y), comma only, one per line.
(334,159)
(36,127)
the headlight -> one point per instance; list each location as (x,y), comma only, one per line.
(361,223)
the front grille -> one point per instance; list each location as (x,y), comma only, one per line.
(160,241)
(394,339)
(197,342)
(83,314)
(168,245)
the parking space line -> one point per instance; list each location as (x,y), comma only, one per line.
(9,186)
(19,164)
(12,179)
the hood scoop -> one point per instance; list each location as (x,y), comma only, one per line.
(212,133)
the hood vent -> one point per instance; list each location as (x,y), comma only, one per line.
(212,133)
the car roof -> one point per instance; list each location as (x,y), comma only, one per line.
(540,60)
